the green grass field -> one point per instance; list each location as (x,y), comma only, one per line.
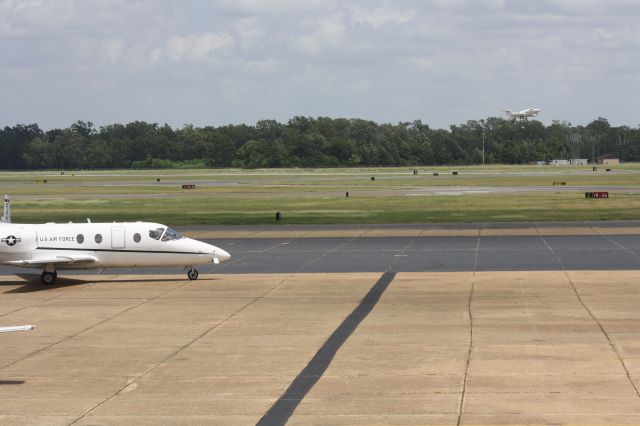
(318,196)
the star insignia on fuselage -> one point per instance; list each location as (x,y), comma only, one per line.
(11,240)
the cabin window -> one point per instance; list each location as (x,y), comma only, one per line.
(80,238)
(156,233)
(171,234)
(137,237)
(98,238)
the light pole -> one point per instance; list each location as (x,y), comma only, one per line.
(621,143)
(483,145)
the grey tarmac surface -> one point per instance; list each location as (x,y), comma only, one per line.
(549,250)
(479,324)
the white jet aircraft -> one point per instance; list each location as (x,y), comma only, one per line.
(522,115)
(52,247)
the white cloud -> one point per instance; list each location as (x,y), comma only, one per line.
(113,50)
(154,56)
(448,4)
(263,67)
(424,63)
(380,16)
(326,32)
(277,7)
(494,4)
(30,17)
(592,7)
(250,32)
(197,46)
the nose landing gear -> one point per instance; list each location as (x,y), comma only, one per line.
(192,274)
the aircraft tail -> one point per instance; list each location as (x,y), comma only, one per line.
(6,217)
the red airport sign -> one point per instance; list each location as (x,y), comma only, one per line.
(600,194)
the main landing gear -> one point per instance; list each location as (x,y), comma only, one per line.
(48,278)
(192,274)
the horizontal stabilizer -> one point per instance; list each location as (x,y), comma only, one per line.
(16,328)
(6,216)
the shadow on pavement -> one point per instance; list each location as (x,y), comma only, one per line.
(31,283)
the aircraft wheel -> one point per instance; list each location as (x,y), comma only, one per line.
(192,274)
(48,278)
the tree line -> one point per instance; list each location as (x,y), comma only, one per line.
(309,142)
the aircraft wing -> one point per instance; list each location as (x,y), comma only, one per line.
(16,328)
(61,259)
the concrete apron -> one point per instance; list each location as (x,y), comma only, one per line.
(425,348)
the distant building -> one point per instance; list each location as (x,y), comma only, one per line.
(579,161)
(559,162)
(608,160)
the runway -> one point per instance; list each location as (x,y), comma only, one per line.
(466,325)
(347,249)
(437,248)
(437,254)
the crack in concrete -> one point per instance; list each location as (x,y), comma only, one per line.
(612,345)
(133,382)
(470,313)
(145,301)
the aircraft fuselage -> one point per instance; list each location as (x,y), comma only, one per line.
(101,245)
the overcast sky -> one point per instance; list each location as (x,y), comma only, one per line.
(238,61)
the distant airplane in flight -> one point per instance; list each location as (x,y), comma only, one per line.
(52,246)
(522,115)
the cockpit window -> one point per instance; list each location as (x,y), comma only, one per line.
(171,234)
(156,233)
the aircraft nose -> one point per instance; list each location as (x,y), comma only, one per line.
(221,254)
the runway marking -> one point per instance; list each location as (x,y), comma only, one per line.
(283,408)
(249,253)
(617,244)
(325,254)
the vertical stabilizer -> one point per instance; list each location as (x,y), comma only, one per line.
(6,217)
